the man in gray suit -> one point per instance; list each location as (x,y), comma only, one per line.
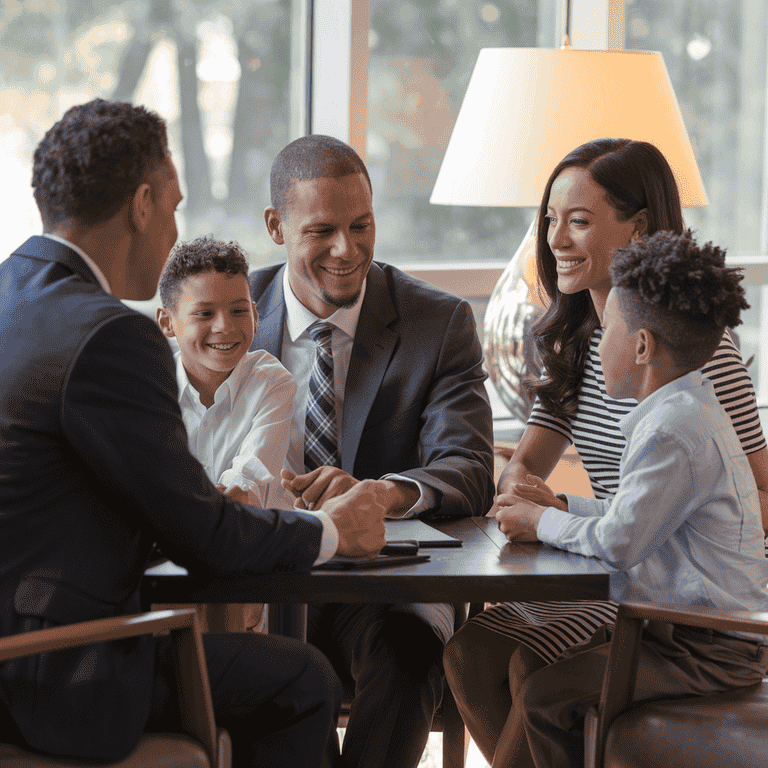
(405,403)
(94,468)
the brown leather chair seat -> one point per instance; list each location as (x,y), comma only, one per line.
(724,729)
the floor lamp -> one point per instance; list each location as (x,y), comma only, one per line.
(524,110)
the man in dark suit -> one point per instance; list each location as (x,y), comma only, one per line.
(94,469)
(408,406)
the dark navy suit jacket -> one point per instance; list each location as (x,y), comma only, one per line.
(94,468)
(415,400)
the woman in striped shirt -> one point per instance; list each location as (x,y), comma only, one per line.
(601,196)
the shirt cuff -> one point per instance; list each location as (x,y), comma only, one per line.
(329,541)
(551,524)
(427,497)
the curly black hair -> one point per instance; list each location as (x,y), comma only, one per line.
(311,157)
(89,164)
(680,291)
(203,254)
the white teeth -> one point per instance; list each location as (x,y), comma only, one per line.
(224,347)
(566,264)
(340,272)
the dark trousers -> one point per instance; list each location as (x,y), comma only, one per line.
(390,655)
(674,661)
(278,698)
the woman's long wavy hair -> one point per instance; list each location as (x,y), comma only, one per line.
(634,175)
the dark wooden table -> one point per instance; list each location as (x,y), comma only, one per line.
(486,568)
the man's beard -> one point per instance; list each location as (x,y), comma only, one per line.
(341,302)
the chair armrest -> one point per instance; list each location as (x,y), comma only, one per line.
(195,702)
(699,616)
(620,674)
(89,632)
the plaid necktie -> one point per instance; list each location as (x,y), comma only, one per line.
(320,435)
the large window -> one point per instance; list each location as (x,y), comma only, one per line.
(716,54)
(231,79)
(421,58)
(218,72)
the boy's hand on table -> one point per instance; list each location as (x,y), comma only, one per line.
(314,488)
(359,518)
(537,491)
(518,518)
(236,493)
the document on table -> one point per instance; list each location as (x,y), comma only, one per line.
(417,530)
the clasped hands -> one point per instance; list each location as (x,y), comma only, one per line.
(357,507)
(519,511)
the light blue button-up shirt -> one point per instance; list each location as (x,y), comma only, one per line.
(684,526)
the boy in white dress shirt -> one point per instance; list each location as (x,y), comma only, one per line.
(236,405)
(684,526)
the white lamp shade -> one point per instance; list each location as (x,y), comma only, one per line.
(526,108)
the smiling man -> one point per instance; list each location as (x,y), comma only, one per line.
(390,386)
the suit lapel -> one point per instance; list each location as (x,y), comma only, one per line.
(374,344)
(50,250)
(271,308)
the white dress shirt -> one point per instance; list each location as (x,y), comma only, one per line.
(242,438)
(684,526)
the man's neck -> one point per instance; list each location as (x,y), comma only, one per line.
(105,244)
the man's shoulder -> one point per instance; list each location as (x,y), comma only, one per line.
(403,284)
(259,279)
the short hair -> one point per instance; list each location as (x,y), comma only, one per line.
(311,157)
(91,162)
(195,257)
(681,292)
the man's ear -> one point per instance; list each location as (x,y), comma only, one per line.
(645,347)
(641,225)
(142,207)
(274,225)
(165,321)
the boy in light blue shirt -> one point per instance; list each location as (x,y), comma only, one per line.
(684,526)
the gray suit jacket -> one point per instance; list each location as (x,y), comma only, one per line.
(415,400)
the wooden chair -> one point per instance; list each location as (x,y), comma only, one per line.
(696,732)
(447,719)
(200,746)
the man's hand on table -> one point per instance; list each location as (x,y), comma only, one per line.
(314,488)
(359,518)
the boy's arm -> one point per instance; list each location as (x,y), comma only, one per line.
(261,454)
(655,496)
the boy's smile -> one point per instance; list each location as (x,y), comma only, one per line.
(213,321)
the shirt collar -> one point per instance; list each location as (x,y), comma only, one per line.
(227,389)
(299,318)
(629,423)
(97,273)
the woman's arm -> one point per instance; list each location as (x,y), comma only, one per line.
(537,454)
(759,463)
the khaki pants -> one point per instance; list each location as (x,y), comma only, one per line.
(674,661)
